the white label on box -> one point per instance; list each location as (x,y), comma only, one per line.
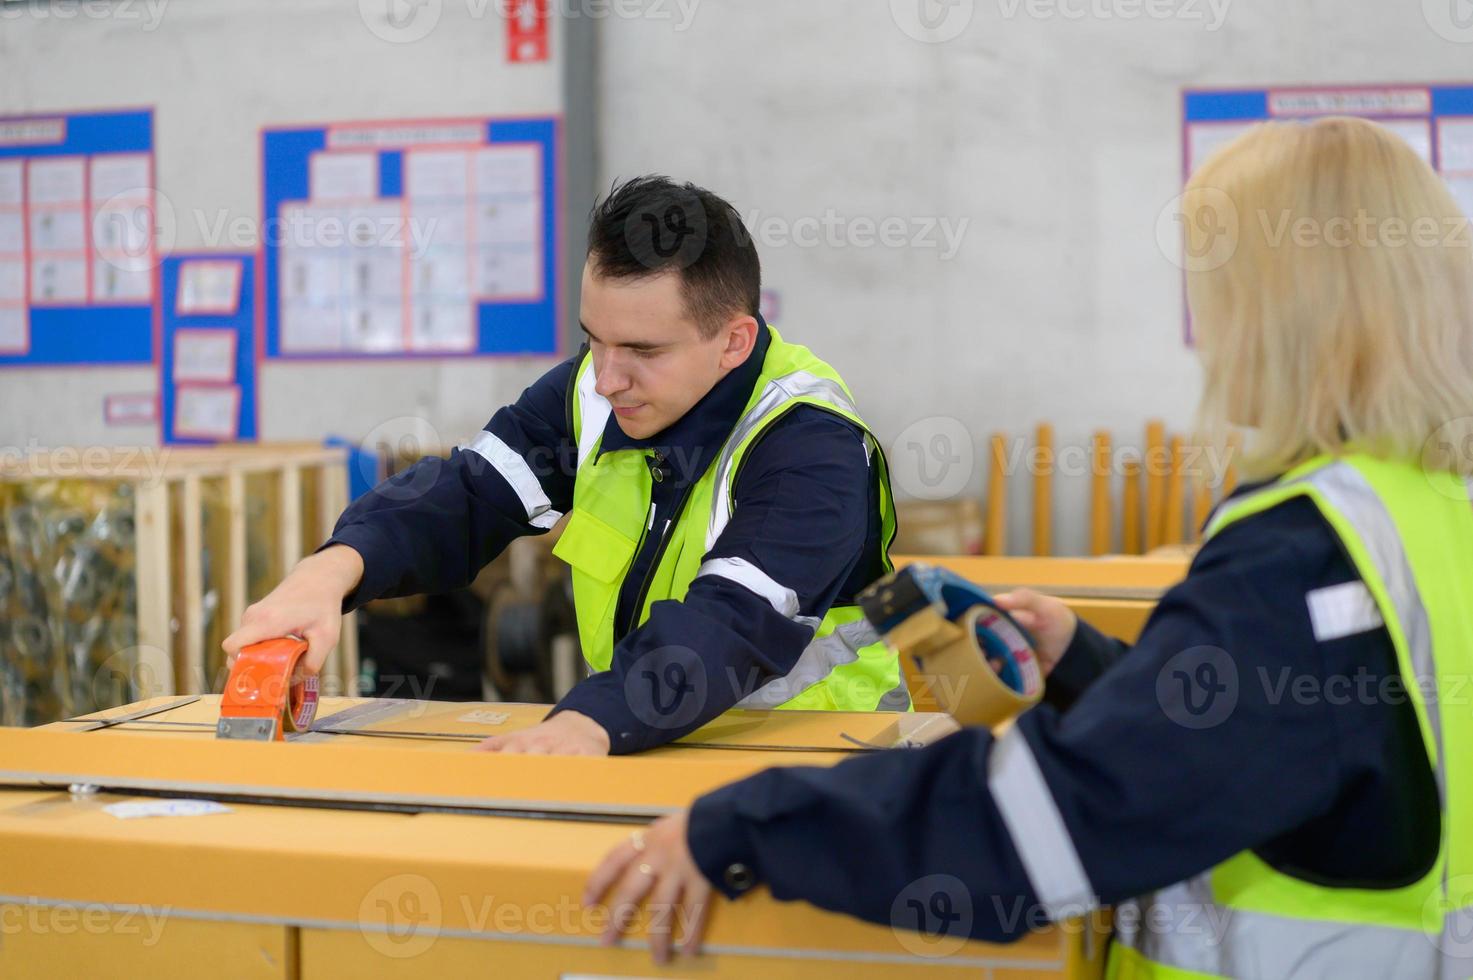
(483,717)
(164,808)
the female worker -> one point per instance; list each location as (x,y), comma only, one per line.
(1277,780)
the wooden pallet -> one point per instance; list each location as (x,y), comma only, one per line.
(283,498)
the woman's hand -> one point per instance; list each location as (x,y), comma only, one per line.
(1050,621)
(654,866)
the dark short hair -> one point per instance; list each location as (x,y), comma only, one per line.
(651,225)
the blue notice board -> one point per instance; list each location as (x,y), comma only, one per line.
(1436,120)
(411,239)
(78,259)
(207,367)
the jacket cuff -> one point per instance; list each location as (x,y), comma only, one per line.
(601,697)
(379,571)
(719,840)
(1089,653)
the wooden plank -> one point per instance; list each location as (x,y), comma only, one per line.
(1174,514)
(331,499)
(995,534)
(1043,491)
(236,574)
(1118,577)
(289,528)
(190,670)
(155,641)
(1099,525)
(1156,464)
(1130,509)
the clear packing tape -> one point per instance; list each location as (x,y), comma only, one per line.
(952,630)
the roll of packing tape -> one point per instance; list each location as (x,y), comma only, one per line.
(990,672)
(268,693)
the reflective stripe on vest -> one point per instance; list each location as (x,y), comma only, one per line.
(799,384)
(1202,927)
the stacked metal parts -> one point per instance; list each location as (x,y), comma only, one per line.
(67,592)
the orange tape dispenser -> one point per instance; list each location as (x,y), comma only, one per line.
(266,695)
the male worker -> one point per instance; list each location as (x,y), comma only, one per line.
(725,501)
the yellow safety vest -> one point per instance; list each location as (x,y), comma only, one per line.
(845,667)
(1410,536)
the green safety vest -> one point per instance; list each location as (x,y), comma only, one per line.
(845,667)
(1410,536)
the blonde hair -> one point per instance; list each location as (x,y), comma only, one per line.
(1330,277)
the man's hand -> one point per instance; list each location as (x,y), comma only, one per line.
(308,603)
(1050,621)
(565,733)
(654,866)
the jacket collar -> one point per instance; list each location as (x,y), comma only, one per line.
(693,441)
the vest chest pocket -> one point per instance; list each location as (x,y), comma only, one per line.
(594,548)
(600,556)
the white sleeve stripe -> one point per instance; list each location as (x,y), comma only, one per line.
(755,580)
(1037,828)
(1343,610)
(514,469)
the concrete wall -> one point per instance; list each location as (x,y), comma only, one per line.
(1047,129)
